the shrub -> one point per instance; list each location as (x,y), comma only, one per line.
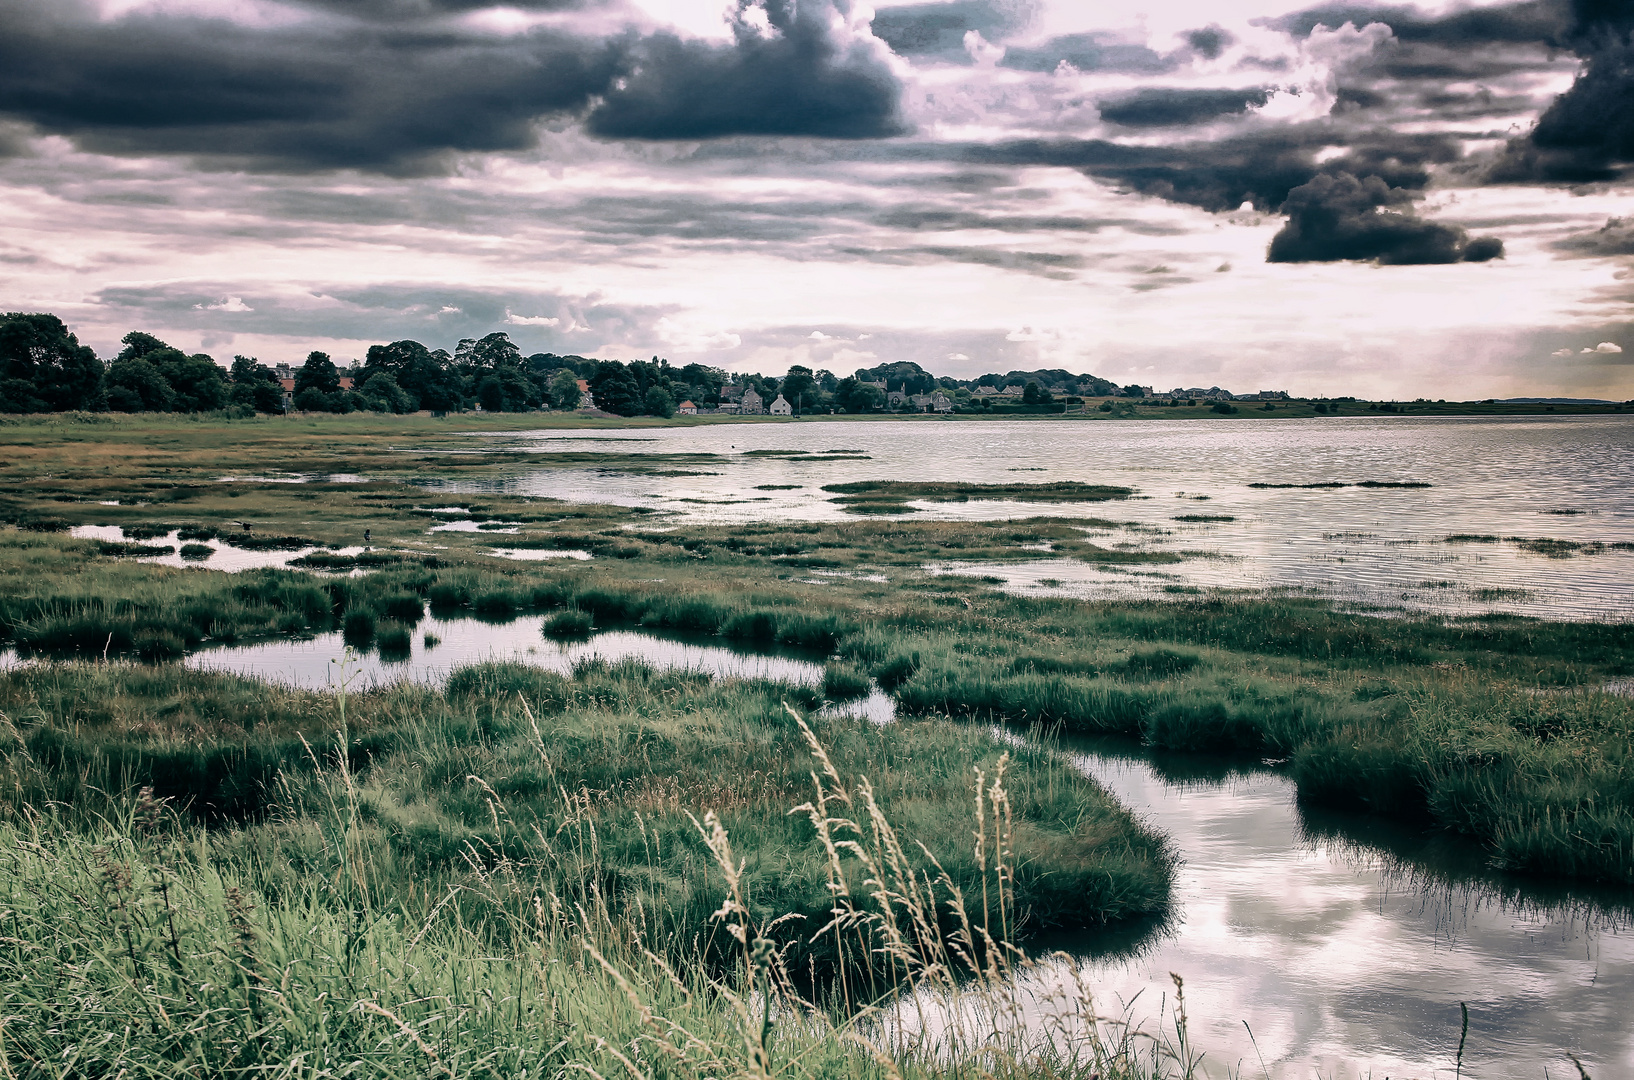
(394,643)
(405,606)
(842,682)
(197,551)
(569,623)
(358,628)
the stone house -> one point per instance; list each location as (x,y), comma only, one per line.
(894,399)
(752,403)
(940,402)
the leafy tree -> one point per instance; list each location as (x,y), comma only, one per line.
(615,389)
(1133,390)
(44,368)
(255,385)
(1033,394)
(799,388)
(139,346)
(312,399)
(855,397)
(138,386)
(564,389)
(382,394)
(427,377)
(658,402)
(197,380)
(491,353)
(318,373)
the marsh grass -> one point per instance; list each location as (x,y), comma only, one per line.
(141,945)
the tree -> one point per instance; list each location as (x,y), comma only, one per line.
(382,394)
(658,402)
(138,386)
(140,346)
(615,389)
(856,397)
(564,389)
(318,373)
(44,368)
(1033,394)
(799,388)
(256,385)
(1133,390)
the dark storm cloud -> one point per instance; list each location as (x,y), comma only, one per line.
(1173,107)
(303,97)
(1616,237)
(1210,41)
(400,94)
(803,77)
(1540,21)
(436,315)
(1261,168)
(1339,217)
(1090,52)
(938,30)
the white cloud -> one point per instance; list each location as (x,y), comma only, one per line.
(1605,347)
(233,303)
(530,320)
(682,338)
(957,356)
(818,335)
(1563,352)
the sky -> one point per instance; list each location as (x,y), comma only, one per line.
(1378,200)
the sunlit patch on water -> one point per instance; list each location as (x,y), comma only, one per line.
(538,554)
(222,556)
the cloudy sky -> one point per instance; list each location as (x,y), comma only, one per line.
(1378,200)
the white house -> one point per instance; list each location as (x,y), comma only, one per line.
(780,407)
(687,408)
(940,402)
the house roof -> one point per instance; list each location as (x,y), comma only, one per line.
(686,405)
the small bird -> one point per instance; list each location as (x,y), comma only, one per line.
(244,525)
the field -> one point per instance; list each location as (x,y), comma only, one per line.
(643,871)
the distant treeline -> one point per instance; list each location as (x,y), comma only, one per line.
(44,368)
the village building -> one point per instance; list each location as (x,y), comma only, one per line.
(780,407)
(921,402)
(752,403)
(894,399)
(587,400)
(940,402)
(730,408)
(687,408)
(287,384)
(731,392)
(1013,391)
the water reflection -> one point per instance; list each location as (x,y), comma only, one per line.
(1347,944)
(441,645)
(222,556)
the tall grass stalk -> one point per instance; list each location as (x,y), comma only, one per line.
(139,943)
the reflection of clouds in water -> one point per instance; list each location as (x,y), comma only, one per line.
(1347,944)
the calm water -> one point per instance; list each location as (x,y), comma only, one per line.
(1347,944)
(1531,477)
